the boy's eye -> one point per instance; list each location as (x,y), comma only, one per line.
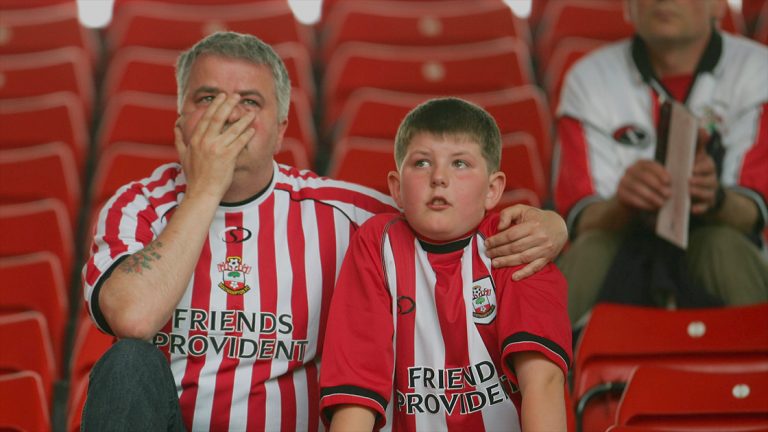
(421,163)
(460,163)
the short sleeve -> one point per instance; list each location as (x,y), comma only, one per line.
(533,316)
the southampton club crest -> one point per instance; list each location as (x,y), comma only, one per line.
(233,273)
(483,301)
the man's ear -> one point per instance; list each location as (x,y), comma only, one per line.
(627,11)
(496,184)
(393,181)
(281,128)
(717,11)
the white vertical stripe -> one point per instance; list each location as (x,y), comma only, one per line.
(302,413)
(391,275)
(429,347)
(252,303)
(313,271)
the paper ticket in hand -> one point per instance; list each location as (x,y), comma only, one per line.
(676,147)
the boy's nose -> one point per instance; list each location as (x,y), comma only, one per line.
(438,178)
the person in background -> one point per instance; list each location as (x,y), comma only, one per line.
(226,261)
(609,185)
(423,333)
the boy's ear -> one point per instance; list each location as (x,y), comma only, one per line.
(496,184)
(393,181)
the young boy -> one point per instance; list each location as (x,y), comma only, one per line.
(423,334)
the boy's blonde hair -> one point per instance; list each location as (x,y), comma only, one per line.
(451,116)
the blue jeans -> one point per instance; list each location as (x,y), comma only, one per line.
(132,389)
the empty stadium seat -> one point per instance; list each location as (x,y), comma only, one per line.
(521,163)
(44,25)
(40,171)
(27,347)
(90,343)
(448,69)
(377,113)
(659,398)
(593,19)
(36,282)
(365,161)
(619,338)
(42,119)
(518,196)
(40,73)
(124,162)
(179,26)
(419,23)
(22,403)
(37,226)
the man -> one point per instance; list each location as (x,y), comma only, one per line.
(227,261)
(609,186)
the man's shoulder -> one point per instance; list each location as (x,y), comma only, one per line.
(310,185)
(611,55)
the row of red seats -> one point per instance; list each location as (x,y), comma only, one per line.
(656,369)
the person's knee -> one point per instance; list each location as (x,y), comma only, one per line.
(130,357)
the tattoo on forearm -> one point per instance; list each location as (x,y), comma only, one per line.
(142,259)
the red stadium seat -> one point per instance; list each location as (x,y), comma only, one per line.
(90,344)
(43,119)
(124,162)
(36,282)
(365,161)
(377,113)
(619,338)
(521,163)
(27,347)
(179,26)
(761,25)
(419,23)
(37,226)
(156,114)
(449,69)
(23,406)
(40,171)
(294,153)
(47,25)
(593,19)
(40,73)
(661,398)
(518,196)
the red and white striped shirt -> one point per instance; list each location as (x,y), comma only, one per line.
(244,342)
(423,334)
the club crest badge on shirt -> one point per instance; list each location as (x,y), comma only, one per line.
(233,273)
(483,301)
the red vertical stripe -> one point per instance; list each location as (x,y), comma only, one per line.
(299,312)
(201,294)
(327,243)
(257,404)
(225,377)
(328,248)
(573,179)
(405,258)
(449,301)
(755,165)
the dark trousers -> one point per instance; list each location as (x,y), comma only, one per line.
(132,389)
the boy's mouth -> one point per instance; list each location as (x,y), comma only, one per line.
(438,202)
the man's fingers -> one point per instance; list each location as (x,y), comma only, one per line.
(178,141)
(236,129)
(510,215)
(221,112)
(509,235)
(530,269)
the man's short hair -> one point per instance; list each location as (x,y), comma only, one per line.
(451,116)
(237,46)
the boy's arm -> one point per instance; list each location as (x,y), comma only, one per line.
(542,386)
(352,418)
(530,236)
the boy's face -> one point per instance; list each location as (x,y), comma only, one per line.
(444,187)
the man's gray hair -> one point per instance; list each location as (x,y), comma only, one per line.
(237,46)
